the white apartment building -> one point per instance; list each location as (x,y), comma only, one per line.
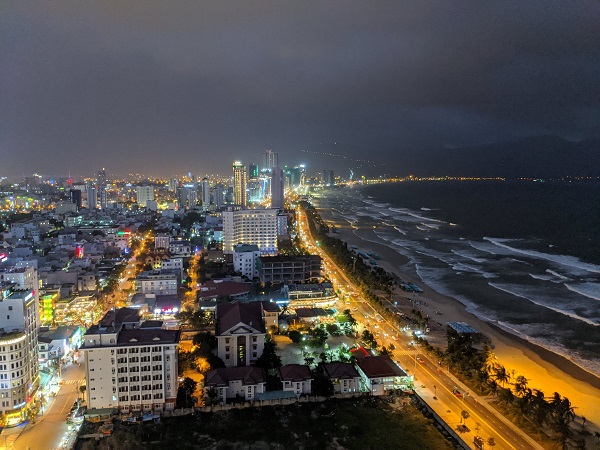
(162,241)
(173,264)
(19,370)
(250,226)
(245,259)
(144,194)
(157,282)
(131,365)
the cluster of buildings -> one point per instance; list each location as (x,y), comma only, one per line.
(241,332)
(55,262)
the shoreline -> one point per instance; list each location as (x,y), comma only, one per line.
(546,370)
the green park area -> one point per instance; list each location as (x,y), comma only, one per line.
(359,423)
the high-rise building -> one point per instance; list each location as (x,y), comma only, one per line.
(277,185)
(131,364)
(173,185)
(75,196)
(205,192)
(144,194)
(253,171)
(187,197)
(327,177)
(102,182)
(92,197)
(250,226)
(271,159)
(20,320)
(240,196)
(218,195)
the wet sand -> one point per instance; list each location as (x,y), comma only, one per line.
(545,370)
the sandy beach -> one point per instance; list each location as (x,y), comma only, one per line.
(544,369)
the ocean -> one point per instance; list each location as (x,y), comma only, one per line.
(523,255)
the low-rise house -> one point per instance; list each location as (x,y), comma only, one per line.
(271,312)
(229,383)
(216,288)
(380,374)
(296,378)
(344,377)
(240,332)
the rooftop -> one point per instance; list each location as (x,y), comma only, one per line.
(340,370)
(462,328)
(294,372)
(289,258)
(148,336)
(242,248)
(230,314)
(212,289)
(62,332)
(379,366)
(222,376)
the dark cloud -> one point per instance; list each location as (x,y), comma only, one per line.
(163,88)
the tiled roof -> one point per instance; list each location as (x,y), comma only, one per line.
(212,289)
(62,332)
(148,336)
(340,370)
(247,374)
(360,352)
(231,314)
(379,366)
(271,306)
(294,372)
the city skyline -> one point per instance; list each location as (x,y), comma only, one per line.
(162,89)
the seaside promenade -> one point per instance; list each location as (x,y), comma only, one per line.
(432,383)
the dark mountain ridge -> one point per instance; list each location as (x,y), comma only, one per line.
(537,157)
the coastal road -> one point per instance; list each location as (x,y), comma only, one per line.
(483,419)
(49,429)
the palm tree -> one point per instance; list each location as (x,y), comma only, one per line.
(493,387)
(501,375)
(563,432)
(491,442)
(506,396)
(540,407)
(520,385)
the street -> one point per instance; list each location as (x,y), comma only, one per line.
(49,429)
(431,382)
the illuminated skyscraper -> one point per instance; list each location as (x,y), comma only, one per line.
(252,171)
(240,197)
(271,159)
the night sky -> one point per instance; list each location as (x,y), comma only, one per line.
(163,88)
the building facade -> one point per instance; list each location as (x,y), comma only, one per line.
(250,226)
(245,259)
(289,269)
(240,333)
(277,188)
(240,174)
(19,366)
(144,194)
(157,282)
(131,365)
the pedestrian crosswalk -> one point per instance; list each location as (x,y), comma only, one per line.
(82,381)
